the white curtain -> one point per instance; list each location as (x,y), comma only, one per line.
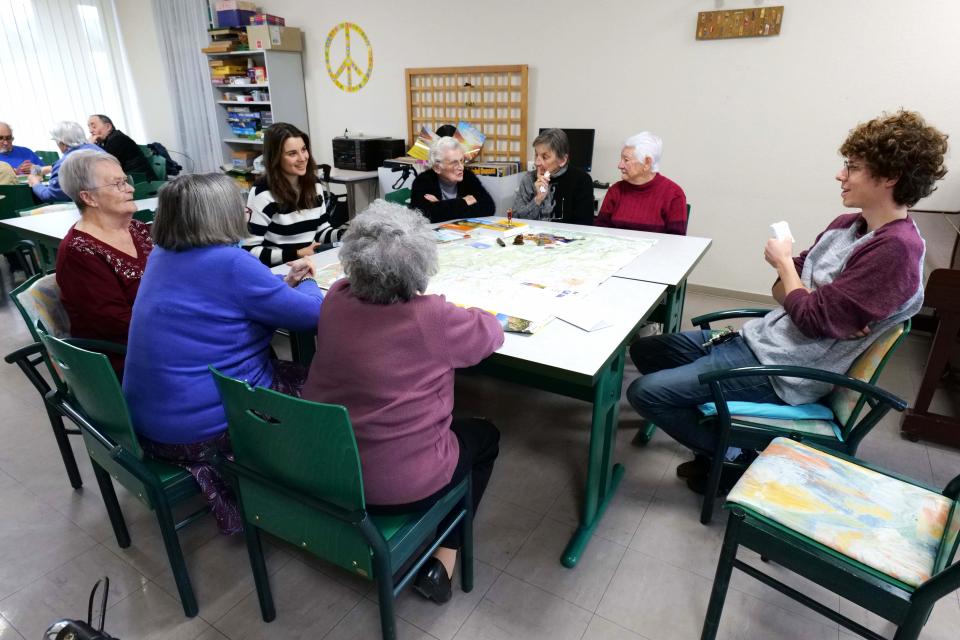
(61,60)
(182,32)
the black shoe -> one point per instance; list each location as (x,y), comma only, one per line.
(433,583)
(699,466)
(728,478)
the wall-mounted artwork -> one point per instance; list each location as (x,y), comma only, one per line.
(348,75)
(739,23)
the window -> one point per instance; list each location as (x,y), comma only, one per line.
(61,61)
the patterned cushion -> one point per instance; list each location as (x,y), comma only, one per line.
(879,521)
(826,428)
(843,400)
(41,303)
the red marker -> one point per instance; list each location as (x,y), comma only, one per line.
(509,216)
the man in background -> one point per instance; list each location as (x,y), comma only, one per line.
(19,158)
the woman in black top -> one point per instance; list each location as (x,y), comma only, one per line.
(554,190)
(449,190)
(119,145)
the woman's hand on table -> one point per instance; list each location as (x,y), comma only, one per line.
(299,269)
(308,250)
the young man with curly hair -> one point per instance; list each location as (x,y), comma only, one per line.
(862,276)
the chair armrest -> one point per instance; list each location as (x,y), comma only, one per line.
(952,489)
(24,353)
(704,321)
(784,371)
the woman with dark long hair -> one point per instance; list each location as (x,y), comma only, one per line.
(287,216)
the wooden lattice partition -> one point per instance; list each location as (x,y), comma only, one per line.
(493,98)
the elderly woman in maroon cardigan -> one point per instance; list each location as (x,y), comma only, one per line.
(388,353)
(101,259)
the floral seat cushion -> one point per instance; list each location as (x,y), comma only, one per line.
(889,525)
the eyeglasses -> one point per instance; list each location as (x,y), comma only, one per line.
(118,185)
(453,164)
(6,138)
(851,166)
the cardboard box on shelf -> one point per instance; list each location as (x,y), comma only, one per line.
(275,38)
(235,13)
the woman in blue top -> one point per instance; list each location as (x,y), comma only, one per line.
(205,301)
(69,138)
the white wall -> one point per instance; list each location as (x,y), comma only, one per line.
(751,126)
(139,37)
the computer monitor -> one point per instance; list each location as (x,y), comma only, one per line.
(581,147)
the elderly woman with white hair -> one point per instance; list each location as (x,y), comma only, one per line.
(101,259)
(70,138)
(448,190)
(644,200)
(388,353)
(205,301)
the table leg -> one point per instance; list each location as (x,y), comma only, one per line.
(351,199)
(602,475)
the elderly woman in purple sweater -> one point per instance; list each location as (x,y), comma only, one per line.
(388,353)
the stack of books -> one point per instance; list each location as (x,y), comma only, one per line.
(226,39)
(247,122)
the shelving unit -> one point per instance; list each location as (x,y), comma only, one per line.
(287,103)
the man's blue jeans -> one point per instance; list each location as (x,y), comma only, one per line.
(669,391)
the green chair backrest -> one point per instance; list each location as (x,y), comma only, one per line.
(147,189)
(847,403)
(48,157)
(15,197)
(94,385)
(145,150)
(400,196)
(306,447)
(159,165)
(144,215)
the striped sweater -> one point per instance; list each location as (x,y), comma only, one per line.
(277,233)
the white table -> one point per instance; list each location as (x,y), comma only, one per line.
(48,229)
(588,366)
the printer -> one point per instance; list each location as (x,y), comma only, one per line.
(366,153)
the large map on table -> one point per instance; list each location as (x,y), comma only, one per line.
(526,284)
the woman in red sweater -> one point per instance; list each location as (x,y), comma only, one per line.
(388,354)
(101,259)
(644,200)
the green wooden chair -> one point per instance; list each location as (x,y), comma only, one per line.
(882,541)
(144,215)
(842,422)
(297,475)
(16,197)
(48,157)
(38,301)
(97,405)
(159,165)
(147,189)
(400,196)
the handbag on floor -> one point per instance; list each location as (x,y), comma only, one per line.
(78,629)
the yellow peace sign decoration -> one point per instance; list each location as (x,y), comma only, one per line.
(348,65)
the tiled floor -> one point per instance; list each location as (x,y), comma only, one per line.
(646,574)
